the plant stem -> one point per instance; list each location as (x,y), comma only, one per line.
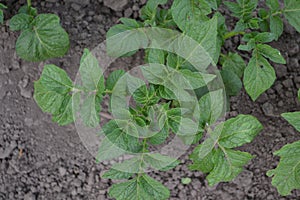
(29,3)
(232,34)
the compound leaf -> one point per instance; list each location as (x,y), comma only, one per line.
(285,177)
(291,12)
(238,131)
(259,76)
(45,39)
(216,156)
(293,118)
(141,187)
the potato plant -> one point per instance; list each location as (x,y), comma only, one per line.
(179,96)
(42,36)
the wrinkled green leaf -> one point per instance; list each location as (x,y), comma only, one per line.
(238,131)
(51,92)
(285,177)
(259,76)
(44,40)
(20,22)
(270,53)
(293,118)
(292,11)
(141,187)
(242,9)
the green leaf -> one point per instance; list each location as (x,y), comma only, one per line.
(292,11)
(286,174)
(190,17)
(258,76)
(197,79)
(264,37)
(215,156)
(93,81)
(116,175)
(276,26)
(273,5)
(228,164)
(148,12)
(141,187)
(2,6)
(238,131)
(28,10)
(235,63)
(232,82)
(242,9)
(270,53)
(156,56)
(211,107)
(293,118)
(125,39)
(113,79)
(160,162)
(51,92)
(44,40)
(20,22)
(90,110)
(189,11)
(214,4)
(91,73)
(145,96)
(204,164)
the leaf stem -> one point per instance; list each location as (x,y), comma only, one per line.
(232,34)
(29,3)
(274,14)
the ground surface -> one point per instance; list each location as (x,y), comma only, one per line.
(39,160)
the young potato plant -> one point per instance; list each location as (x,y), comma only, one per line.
(180,97)
(286,176)
(42,36)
